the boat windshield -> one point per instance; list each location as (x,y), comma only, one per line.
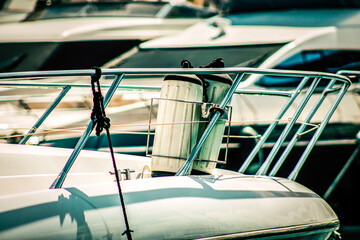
(330,61)
(233,56)
(117,9)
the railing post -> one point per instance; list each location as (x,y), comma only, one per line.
(301,129)
(82,141)
(316,136)
(45,115)
(264,168)
(267,133)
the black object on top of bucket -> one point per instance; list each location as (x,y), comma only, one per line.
(187,78)
(217,63)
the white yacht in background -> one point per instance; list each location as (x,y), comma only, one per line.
(15,10)
(82,34)
(292,40)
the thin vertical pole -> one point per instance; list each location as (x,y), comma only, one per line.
(82,141)
(316,136)
(264,168)
(45,115)
(300,130)
(269,130)
(342,171)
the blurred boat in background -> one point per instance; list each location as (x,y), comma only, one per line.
(82,34)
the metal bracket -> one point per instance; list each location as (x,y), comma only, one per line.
(207,110)
(127,172)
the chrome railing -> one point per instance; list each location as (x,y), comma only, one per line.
(336,85)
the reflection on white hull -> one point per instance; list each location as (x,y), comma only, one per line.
(215,207)
(218,205)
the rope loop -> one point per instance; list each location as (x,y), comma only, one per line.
(98,115)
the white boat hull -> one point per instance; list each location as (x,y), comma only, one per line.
(196,207)
(27,168)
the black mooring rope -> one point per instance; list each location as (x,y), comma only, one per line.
(98,112)
(101,122)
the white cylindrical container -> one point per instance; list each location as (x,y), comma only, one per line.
(206,160)
(174,142)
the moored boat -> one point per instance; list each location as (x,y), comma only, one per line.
(214,204)
(188,207)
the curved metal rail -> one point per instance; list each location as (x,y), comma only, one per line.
(348,163)
(342,83)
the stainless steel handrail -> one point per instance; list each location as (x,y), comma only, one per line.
(81,143)
(272,126)
(316,136)
(134,88)
(119,73)
(162,71)
(300,130)
(45,115)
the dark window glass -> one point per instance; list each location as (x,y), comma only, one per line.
(31,56)
(188,12)
(330,61)
(241,56)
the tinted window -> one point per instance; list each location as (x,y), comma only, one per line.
(30,56)
(241,56)
(188,12)
(330,61)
